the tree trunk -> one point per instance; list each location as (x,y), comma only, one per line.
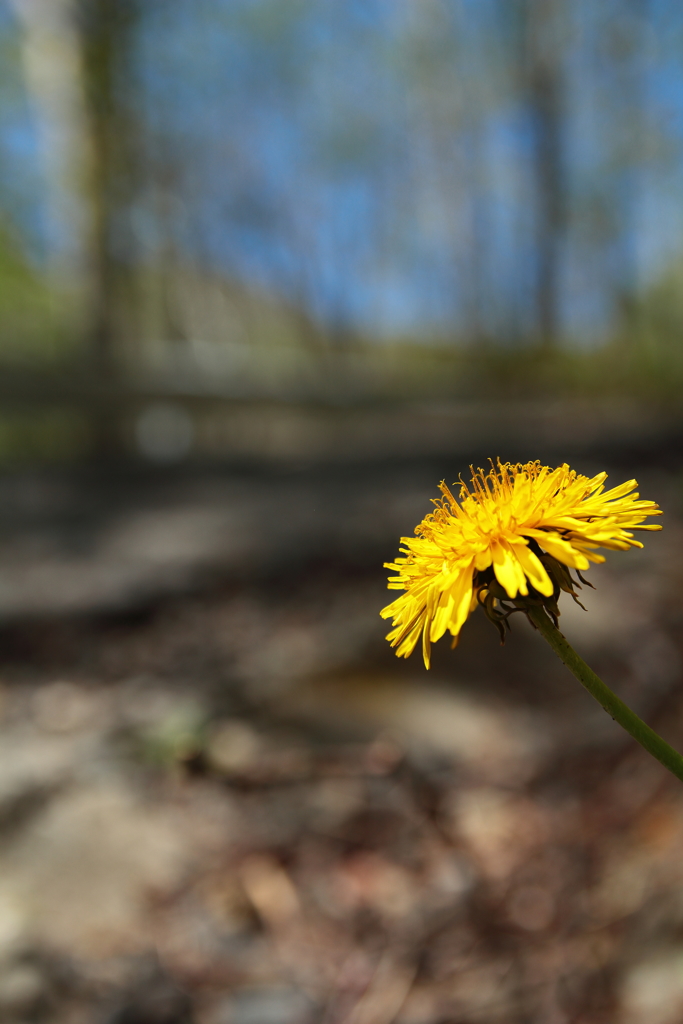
(543,80)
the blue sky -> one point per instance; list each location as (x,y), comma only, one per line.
(373,159)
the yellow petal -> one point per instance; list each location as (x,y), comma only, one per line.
(464,604)
(454,602)
(508,571)
(534,569)
(560,549)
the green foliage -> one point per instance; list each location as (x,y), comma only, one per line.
(33,319)
(42,435)
(175,737)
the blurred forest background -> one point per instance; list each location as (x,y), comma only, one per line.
(331,204)
(269,270)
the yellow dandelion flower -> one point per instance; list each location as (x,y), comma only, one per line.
(514,535)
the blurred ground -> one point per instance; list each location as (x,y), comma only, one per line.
(223,800)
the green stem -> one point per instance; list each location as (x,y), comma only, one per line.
(619,711)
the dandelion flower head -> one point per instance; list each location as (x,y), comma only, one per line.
(513,537)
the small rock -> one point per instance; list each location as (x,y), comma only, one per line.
(233,746)
(63,707)
(21,987)
(266,1006)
